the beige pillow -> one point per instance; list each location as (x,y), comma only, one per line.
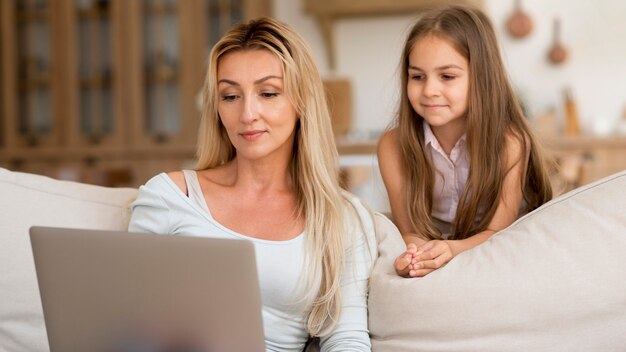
(27,200)
(553,281)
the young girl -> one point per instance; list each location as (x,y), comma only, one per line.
(460,163)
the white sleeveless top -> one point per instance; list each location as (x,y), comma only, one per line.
(162,208)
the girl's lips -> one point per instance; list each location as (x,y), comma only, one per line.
(433,106)
(251,135)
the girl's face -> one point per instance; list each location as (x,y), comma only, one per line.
(253,105)
(438,83)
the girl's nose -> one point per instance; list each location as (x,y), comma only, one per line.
(431,88)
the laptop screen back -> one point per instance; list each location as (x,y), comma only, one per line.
(124,292)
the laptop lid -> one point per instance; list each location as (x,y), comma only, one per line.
(116,291)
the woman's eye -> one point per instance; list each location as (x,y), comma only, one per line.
(269,95)
(229,97)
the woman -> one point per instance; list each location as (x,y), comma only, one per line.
(267,156)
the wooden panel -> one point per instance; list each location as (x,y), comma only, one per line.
(192,39)
(9,75)
(8,63)
(339,97)
(132,92)
(64,77)
(257,8)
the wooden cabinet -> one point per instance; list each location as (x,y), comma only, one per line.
(106,86)
(581,160)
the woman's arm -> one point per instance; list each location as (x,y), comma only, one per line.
(435,254)
(150,212)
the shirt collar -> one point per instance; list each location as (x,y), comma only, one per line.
(429,138)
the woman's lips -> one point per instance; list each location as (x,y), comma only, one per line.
(251,135)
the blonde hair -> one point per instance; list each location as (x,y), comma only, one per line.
(493,113)
(314,166)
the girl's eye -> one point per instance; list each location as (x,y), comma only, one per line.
(447,77)
(417,77)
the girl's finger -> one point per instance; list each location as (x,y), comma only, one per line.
(420,272)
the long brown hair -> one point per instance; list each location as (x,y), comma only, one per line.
(314,165)
(493,113)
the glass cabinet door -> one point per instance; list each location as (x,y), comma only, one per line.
(164,71)
(161,61)
(33,52)
(28,120)
(95,71)
(221,15)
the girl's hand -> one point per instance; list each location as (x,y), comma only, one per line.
(429,257)
(403,262)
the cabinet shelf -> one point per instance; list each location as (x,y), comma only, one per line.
(32,84)
(94,13)
(32,15)
(158,79)
(160,8)
(96,81)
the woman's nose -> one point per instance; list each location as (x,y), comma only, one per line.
(250,111)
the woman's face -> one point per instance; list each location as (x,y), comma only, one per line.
(438,83)
(253,105)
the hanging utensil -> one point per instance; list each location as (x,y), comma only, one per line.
(519,23)
(557,53)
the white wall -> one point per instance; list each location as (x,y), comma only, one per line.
(593,31)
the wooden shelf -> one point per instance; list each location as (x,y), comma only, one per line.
(154,78)
(583,142)
(94,13)
(357,147)
(32,84)
(32,15)
(579,159)
(327,12)
(99,152)
(160,8)
(97,81)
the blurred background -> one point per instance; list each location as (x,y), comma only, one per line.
(106,91)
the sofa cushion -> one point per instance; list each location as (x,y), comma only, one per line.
(27,200)
(555,280)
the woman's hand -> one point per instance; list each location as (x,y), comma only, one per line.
(429,257)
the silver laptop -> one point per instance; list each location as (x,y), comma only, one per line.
(107,291)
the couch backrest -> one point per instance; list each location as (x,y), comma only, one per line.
(553,281)
(27,200)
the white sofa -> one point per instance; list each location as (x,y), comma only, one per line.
(553,281)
